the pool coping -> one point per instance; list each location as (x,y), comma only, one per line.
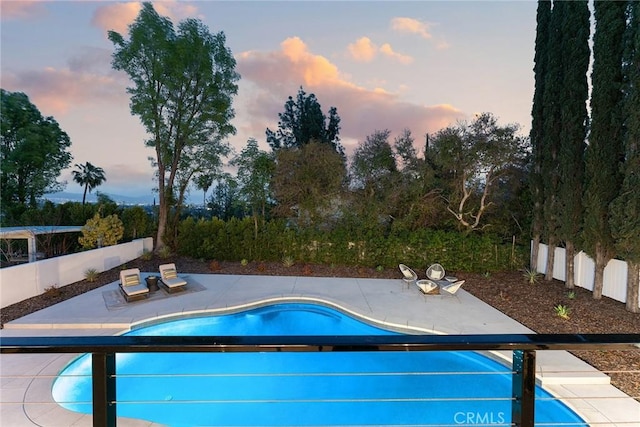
(385,302)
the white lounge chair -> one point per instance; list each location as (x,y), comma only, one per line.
(435,272)
(169,278)
(132,286)
(426,286)
(452,287)
(408,275)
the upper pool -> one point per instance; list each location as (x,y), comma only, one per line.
(303,389)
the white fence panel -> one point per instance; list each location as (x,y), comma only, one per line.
(615,273)
(24,281)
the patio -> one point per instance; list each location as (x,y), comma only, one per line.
(27,401)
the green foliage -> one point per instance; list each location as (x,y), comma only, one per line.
(571,294)
(303,122)
(531,275)
(234,240)
(308,182)
(33,152)
(137,223)
(101,232)
(288,261)
(562,311)
(91,274)
(89,177)
(184,80)
(147,255)
(478,156)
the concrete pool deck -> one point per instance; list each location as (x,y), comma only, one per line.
(25,391)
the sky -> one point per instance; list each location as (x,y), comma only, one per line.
(420,65)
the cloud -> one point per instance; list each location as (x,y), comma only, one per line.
(55,90)
(268,78)
(388,51)
(118,16)
(363,50)
(21,10)
(410,25)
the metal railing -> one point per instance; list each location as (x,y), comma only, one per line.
(523,346)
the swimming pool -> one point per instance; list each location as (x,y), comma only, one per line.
(303,389)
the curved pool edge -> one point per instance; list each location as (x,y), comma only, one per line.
(559,391)
(87,315)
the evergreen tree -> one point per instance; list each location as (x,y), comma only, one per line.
(574,117)
(551,127)
(625,209)
(537,116)
(303,122)
(605,150)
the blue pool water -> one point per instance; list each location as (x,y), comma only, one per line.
(302,389)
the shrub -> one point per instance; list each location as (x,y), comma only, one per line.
(562,311)
(101,231)
(91,274)
(531,276)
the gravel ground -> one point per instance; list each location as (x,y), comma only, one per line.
(530,304)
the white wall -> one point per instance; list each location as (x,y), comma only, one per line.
(23,281)
(615,273)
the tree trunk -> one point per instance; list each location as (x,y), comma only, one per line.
(535,251)
(598,280)
(633,285)
(551,252)
(163,216)
(570,253)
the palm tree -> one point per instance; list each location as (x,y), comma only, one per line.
(89,177)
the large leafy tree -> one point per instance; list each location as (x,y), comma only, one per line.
(308,183)
(89,177)
(374,174)
(255,171)
(33,150)
(184,80)
(478,155)
(536,181)
(625,209)
(605,150)
(573,131)
(303,122)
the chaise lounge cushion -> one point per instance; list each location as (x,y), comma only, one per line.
(131,285)
(169,277)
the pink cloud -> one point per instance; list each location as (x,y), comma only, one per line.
(24,9)
(273,76)
(410,25)
(388,51)
(363,50)
(56,90)
(118,16)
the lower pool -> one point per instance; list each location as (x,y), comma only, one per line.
(303,389)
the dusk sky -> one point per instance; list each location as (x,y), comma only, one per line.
(420,65)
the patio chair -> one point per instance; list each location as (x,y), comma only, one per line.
(435,272)
(408,275)
(452,287)
(132,286)
(170,280)
(426,286)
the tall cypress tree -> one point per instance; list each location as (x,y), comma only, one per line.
(537,114)
(551,126)
(605,150)
(573,131)
(625,209)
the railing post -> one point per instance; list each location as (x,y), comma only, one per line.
(104,389)
(523,388)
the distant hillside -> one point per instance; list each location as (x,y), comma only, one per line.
(65,196)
